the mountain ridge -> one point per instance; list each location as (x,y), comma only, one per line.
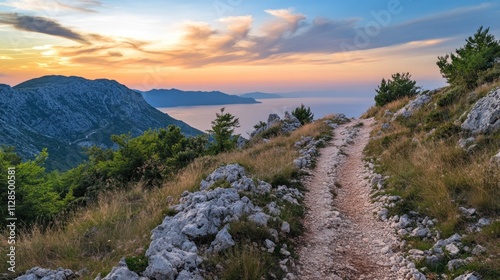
(65,114)
(175,97)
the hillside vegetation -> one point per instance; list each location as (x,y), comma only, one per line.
(439,168)
(120,212)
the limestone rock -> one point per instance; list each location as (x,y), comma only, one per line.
(420,232)
(478,250)
(468,276)
(259,218)
(496,158)
(121,272)
(223,240)
(273,119)
(288,124)
(385,126)
(408,110)
(485,115)
(483,222)
(36,273)
(231,173)
(464,143)
(467,212)
(455,264)
(285,227)
(173,254)
(452,249)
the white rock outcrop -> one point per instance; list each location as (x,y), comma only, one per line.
(37,273)
(173,253)
(288,124)
(485,115)
(408,110)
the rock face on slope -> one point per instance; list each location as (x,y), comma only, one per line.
(414,105)
(288,124)
(64,114)
(485,115)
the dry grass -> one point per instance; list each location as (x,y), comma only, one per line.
(378,112)
(97,237)
(435,177)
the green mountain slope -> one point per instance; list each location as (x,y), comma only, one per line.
(65,114)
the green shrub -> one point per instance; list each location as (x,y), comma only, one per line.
(472,61)
(37,193)
(260,124)
(446,130)
(303,114)
(437,116)
(400,86)
(272,131)
(137,264)
(245,230)
(490,75)
(449,97)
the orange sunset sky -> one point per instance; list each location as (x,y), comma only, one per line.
(236,46)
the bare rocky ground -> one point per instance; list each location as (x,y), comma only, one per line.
(344,239)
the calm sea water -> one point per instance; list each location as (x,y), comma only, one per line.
(201,117)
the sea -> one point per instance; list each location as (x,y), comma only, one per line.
(200,117)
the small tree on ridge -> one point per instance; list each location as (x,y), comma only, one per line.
(471,62)
(303,114)
(222,131)
(400,86)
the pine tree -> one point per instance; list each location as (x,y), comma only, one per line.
(222,131)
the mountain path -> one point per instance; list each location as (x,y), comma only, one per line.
(343,238)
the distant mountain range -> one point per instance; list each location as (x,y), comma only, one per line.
(261,95)
(65,114)
(175,97)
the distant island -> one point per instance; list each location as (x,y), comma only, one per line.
(175,97)
(261,95)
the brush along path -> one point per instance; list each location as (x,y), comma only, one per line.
(343,239)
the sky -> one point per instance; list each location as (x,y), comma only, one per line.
(237,46)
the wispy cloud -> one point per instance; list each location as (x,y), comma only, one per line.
(287,37)
(84,6)
(51,7)
(40,25)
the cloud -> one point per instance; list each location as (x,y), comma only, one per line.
(325,35)
(84,6)
(51,7)
(115,53)
(458,22)
(287,38)
(40,25)
(287,24)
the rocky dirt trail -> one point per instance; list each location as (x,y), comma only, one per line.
(343,238)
